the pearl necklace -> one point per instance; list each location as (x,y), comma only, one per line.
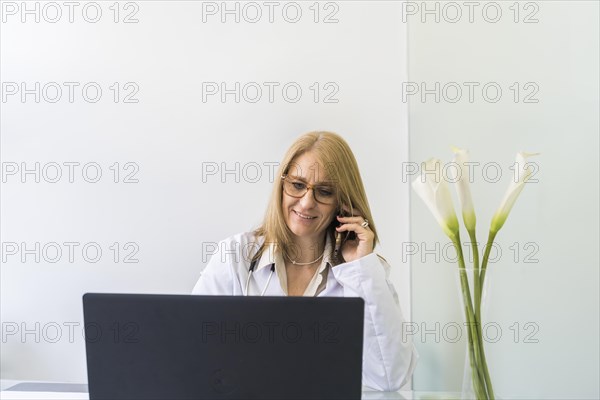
(306,263)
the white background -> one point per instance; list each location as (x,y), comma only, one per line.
(553,283)
(171,134)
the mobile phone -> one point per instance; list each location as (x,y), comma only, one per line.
(340,238)
(345,235)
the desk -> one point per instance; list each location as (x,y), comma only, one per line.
(71,391)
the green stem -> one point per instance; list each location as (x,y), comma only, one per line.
(474,376)
(473,331)
(478,321)
(486,374)
(486,257)
(476,281)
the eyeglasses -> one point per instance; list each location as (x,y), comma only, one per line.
(295,188)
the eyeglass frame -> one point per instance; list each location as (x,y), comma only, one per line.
(308,187)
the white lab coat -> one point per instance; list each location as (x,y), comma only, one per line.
(388,359)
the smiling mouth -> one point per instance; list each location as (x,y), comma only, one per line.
(303,216)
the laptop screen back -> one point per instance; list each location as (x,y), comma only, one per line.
(142,346)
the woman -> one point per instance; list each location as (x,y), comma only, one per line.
(317,239)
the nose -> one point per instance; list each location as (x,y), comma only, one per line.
(308,200)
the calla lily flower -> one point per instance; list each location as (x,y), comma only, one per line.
(461,156)
(433,189)
(523,172)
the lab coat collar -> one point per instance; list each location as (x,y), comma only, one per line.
(273,256)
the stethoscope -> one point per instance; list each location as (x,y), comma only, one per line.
(251,270)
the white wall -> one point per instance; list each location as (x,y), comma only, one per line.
(556,218)
(169,134)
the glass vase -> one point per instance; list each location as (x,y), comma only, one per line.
(474,298)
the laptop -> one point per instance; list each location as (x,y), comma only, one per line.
(143,346)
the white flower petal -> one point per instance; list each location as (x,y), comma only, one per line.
(462,181)
(523,170)
(432,188)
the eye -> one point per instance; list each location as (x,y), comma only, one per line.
(325,191)
(299,185)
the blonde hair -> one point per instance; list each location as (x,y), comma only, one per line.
(334,154)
